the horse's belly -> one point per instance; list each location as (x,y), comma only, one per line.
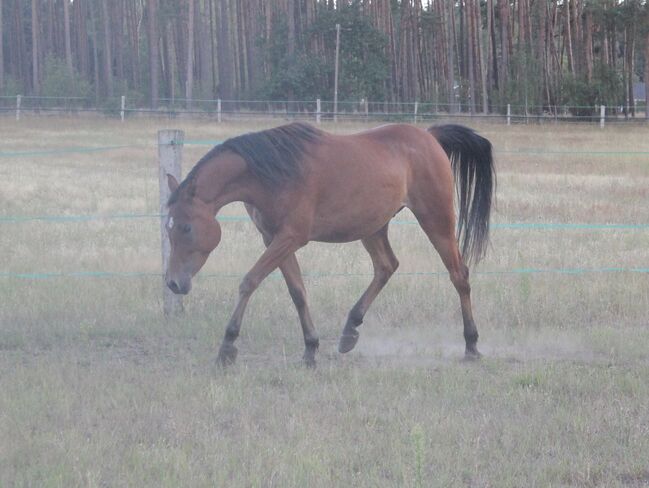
(357,196)
(353,226)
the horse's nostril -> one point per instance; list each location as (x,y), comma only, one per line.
(173,286)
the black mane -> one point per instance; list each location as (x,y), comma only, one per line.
(273,155)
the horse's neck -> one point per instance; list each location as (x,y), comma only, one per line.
(223,180)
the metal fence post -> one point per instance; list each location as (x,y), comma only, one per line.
(509,114)
(121,113)
(19,99)
(318,110)
(170,149)
(602,116)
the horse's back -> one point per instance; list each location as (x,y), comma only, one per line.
(359,181)
(397,152)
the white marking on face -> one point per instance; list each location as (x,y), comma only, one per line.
(170,224)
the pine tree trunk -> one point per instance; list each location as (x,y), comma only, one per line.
(154,52)
(470,44)
(189,83)
(539,47)
(588,45)
(2,58)
(212,47)
(450,55)
(234,47)
(82,38)
(577,41)
(568,36)
(95,49)
(224,53)
(629,52)
(456,51)
(108,56)
(480,58)
(35,49)
(19,57)
(171,61)
(646,69)
(505,42)
(119,36)
(133,26)
(491,52)
(49,47)
(68,44)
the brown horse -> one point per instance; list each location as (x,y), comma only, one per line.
(301,184)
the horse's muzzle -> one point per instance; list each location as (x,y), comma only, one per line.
(178,287)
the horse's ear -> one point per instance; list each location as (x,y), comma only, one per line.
(172,182)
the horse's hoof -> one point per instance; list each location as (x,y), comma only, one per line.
(227,355)
(348,341)
(472,354)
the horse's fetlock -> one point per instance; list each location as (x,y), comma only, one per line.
(355,317)
(313,343)
(471,337)
(231,334)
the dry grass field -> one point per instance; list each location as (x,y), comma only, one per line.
(98,389)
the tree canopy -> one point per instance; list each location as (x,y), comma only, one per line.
(470,55)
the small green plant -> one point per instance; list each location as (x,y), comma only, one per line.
(529,380)
(417,437)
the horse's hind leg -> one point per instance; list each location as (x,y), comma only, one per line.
(441,233)
(385,264)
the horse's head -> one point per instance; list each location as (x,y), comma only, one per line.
(193,233)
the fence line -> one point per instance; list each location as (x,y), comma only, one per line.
(350,110)
(307,274)
(172,104)
(209,142)
(14,219)
(346,116)
(67,150)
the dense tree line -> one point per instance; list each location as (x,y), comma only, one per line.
(470,55)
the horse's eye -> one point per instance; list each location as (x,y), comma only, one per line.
(186,228)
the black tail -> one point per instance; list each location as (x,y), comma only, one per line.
(475,179)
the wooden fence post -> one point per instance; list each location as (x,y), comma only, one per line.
(170,150)
(602,116)
(318,110)
(18,102)
(218,110)
(416,110)
(509,114)
(121,113)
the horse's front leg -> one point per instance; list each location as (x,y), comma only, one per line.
(282,245)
